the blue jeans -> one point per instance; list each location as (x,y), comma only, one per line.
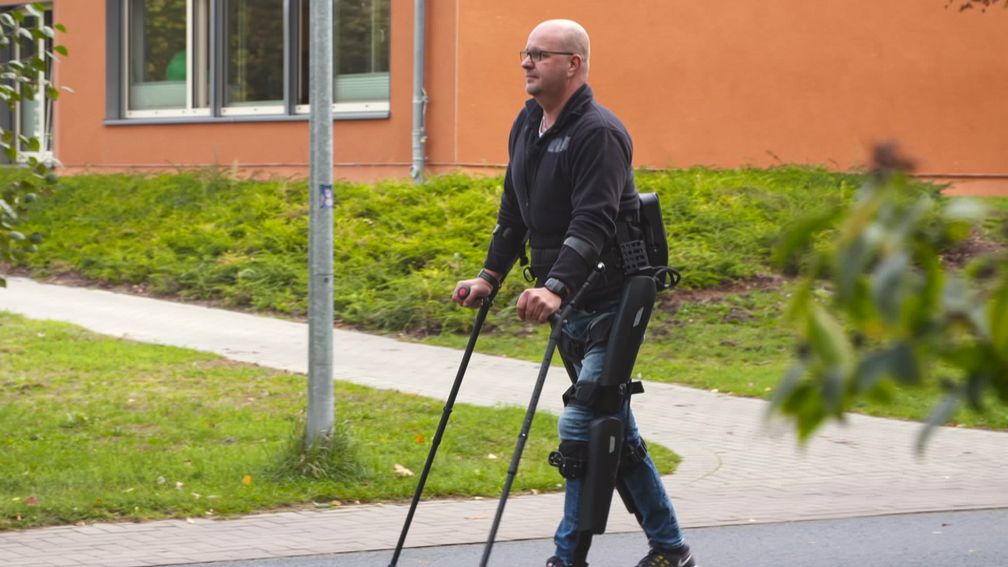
(658,518)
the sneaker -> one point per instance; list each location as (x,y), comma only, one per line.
(681,557)
(555,562)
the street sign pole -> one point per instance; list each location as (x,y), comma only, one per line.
(320,239)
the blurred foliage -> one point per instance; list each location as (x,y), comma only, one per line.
(878,303)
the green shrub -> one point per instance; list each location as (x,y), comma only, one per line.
(398,247)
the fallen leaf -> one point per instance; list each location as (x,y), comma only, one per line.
(247,480)
(402,471)
(491,456)
(194,495)
(179,485)
(31,501)
(419,438)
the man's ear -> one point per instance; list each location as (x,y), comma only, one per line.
(575,65)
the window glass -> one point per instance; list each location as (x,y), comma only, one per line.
(362,50)
(32,121)
(31,115)
(255,53)
(230,57)
(157,54)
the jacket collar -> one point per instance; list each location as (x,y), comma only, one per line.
(575,106)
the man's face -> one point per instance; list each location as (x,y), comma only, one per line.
(549,75)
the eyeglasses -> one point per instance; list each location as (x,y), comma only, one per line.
(538,55)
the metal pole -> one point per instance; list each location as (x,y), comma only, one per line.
(419,95)
(320,245)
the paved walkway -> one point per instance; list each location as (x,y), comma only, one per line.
(737,467)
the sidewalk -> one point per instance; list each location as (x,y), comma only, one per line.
(736,467)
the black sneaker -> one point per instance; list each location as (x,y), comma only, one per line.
(679,557)
(555,562)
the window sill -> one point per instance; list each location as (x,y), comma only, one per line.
(337,116)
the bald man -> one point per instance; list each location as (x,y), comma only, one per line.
(569,184)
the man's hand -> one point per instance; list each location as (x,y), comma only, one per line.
(478,289)
(537,304)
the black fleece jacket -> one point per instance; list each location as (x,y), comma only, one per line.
(574,181)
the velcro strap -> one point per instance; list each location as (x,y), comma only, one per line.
(571,458)
(583,248)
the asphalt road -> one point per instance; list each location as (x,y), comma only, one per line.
(960,539)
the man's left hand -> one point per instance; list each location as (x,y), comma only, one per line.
(537,304)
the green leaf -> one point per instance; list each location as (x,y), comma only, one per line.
(940,415)
(888,284)
(62,50)
(900,362)
(799,236)
(827,338)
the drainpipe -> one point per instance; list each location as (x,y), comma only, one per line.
(419,94)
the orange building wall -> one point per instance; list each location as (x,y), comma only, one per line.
(746,82)
(759,83)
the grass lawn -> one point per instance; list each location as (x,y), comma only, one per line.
(95,428)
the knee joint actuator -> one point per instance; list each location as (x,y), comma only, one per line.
(571,458)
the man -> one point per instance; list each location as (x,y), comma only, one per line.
(568,184)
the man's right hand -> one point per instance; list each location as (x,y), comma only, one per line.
(478,289)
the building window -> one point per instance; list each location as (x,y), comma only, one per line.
(361,54)
(243,57)
(32,115)
(255,56)
(162,78)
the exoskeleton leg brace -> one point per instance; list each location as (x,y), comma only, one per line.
(599,459)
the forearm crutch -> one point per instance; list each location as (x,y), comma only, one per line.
(557,320)
(449,404)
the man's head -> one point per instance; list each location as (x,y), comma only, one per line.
(556,61)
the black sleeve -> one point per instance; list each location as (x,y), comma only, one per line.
(509,235)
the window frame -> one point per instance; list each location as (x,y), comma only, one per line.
(190,109)
(43,124)
(217,110)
